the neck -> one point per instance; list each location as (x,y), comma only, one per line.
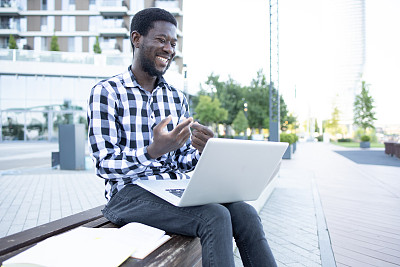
(143,78)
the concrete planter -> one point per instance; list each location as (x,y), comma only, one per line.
(288,153)
(366,144)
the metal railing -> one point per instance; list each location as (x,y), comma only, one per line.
(64,57)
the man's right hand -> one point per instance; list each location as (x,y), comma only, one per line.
(164,142)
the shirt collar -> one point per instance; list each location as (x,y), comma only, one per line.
(129,80)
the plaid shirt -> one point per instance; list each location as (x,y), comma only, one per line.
(121,118)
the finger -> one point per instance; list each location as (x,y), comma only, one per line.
(182,125)
(163,123)
(200,135)
(202,128)
(197,145)
(184,140)
(183,135)
(198,141)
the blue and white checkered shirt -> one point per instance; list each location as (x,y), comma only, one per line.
(121,118)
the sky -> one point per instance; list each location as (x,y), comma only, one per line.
(230,38)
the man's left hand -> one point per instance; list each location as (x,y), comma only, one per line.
(200,136)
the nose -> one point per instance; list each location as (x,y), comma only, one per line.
(169,48)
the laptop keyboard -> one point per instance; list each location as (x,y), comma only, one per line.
(176,192)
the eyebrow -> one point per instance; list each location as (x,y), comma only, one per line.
(166,36)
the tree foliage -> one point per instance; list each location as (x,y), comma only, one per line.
(96,46)
(209,111)
(257,99)
(54,44)
(12,44)
(240,122)
(229,94)
(332,125)
(232,96)
(364,114)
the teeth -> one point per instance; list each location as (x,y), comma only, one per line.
(163,59)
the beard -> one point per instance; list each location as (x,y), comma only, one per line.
(149,65)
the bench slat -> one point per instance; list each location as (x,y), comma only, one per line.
(34,235)
(178,251)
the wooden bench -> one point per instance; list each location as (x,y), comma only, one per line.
(178,251)
(389,148)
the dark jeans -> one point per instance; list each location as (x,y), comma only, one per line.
(215,224)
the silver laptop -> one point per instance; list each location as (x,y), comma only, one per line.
(229,170)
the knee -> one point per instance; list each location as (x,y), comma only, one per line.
(216,219)
(244,218)
(242,210)
(218,214)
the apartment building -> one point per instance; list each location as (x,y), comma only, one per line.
(77,23)
(41,89)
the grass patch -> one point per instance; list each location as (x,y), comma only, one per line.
(356,144)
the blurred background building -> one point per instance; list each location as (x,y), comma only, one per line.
(346,35)
(39,88)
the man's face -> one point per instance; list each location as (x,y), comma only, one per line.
(157,48)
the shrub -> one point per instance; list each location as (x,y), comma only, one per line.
(12,44)
(365,138)
(296,138)
(320,138)
(344,140)
(96,46)
(289,138)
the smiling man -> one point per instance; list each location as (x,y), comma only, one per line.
(139,128)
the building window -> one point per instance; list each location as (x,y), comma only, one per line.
(71,4)
(5,22)
(71,44)
(44,5)
(44,44)
(43,24)
(92,5)
(68,23)
(3,42)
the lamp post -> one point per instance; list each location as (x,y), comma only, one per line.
(245,114)
(185,82)
(274,109)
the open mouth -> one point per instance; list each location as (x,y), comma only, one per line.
(162,59)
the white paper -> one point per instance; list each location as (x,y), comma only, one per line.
(100,247)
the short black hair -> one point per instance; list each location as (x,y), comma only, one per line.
(144,20)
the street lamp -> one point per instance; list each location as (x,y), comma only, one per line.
(245,114)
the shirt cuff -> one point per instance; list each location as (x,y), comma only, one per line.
(197,154)
(143,157)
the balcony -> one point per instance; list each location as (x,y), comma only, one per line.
(7,28)
(9,8)
(113,8)
(113,28)
(170,5)
(113,32)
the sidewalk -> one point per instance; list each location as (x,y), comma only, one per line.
(326,209)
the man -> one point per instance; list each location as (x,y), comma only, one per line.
(139,128)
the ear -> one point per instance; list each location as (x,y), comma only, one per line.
(135,38)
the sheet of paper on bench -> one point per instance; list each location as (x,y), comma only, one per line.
(100,247)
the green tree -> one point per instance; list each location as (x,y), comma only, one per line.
(229,93)
(96,46)
(332,126)
(240,123)
(257,97)
(316,127)
(12,44)
(54,44)
(209,110)
(364,114)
